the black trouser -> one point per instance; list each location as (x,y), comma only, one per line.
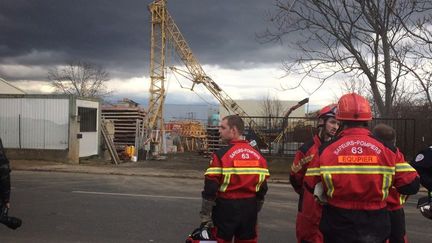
(235,217)
(397,221)
(354,226)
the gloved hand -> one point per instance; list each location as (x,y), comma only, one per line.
(207,224)
(260,204)
(319,194)
(206,213)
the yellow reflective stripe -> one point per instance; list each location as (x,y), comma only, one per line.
(227,172)
(387,180)
(245,171)
(329,184)
(236,170)
(213,171)
(312,172)
(402,199)
(358,169)
(404,167)
(225,183)
(260,181)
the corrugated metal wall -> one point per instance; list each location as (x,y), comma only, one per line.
(34,123)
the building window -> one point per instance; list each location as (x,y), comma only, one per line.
(88,118)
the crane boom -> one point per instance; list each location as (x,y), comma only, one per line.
(198,75)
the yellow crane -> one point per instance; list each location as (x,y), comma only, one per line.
(153,125)
(163,29)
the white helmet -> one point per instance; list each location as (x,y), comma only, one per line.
(425,206)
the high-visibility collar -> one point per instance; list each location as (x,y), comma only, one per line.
(355,131)
(239,141)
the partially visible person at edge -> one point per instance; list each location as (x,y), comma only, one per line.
(395,200)
(356,172)
(309,211)
(234,187)
(5,185)
(423,164)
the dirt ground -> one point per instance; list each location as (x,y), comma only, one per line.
(194,161)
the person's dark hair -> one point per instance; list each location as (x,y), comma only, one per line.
(235,121)
(385,133)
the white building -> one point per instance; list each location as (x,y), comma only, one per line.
(255,108)
(49,127)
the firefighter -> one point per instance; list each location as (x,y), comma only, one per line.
(5,186)
(309,211)
(395,200)
(423,164)
(234,187)
(356,171)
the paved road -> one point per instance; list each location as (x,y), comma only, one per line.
(69,207)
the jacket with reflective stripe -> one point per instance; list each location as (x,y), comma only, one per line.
(396,200)
(309,211)
(238,169)
(302,159)
(358,170)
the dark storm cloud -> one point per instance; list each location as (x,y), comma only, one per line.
(115,34)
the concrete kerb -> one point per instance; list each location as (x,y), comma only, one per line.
(117,170)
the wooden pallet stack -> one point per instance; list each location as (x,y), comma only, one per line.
(192,134)
(127,118)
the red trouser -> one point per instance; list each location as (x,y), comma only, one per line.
(307,230)
(308,219)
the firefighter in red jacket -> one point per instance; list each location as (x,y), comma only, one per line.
(395,200)
(309,211)
(234,187)
(356,171)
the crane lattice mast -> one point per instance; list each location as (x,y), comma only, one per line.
(163,29)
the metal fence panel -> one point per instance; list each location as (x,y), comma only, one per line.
(34,123)
(56,123)
(9,122)
(301,129)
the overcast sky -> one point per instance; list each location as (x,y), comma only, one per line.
(38,35)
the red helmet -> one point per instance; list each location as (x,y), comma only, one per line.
(328,111)
(353,107)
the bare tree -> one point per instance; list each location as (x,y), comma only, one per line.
(80,78)
(419,62)
(354,38)
(271,106)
